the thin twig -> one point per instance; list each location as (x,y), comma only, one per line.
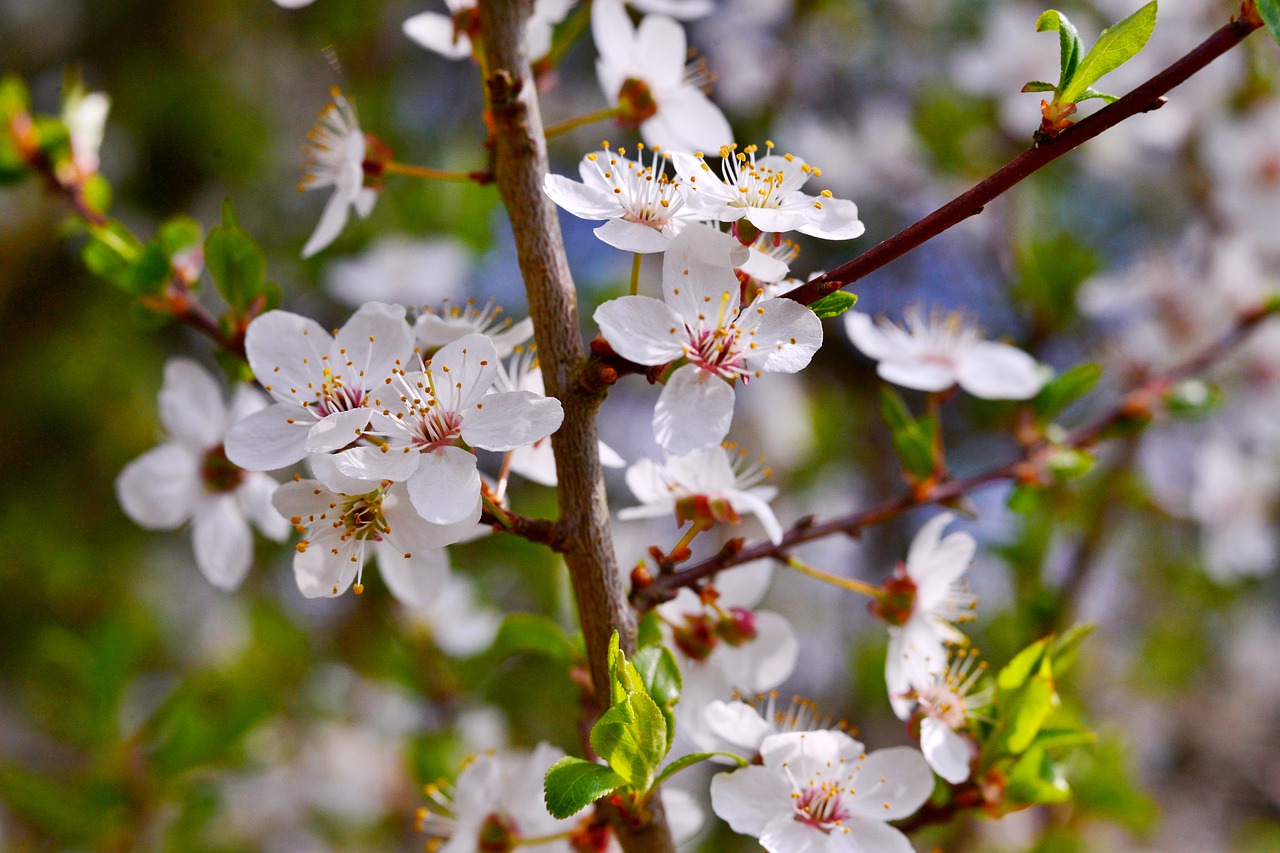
(1027,466)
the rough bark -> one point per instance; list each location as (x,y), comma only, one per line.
(520,165)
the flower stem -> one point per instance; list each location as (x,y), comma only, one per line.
(635,274)
(504,475)
(573,123)
(689,535)
(835,580)
(427,173)
(543,839)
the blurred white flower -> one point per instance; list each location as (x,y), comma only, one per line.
(400,271)
(336,159)
(85,116)
(701,319)
(714,484)
(428,421)
(765,192)
(923,598)
(189,478)
(821,791)
(451,35)
(740,727)
(944,703)
(1234,499)
(683,9)
(642,71)
(321,382)
(935,353)
(642,206)
(452,320)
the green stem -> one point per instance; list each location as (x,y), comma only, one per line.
(427,173)
(589,118)
(835,580)
(635,274)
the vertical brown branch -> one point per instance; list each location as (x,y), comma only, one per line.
(520,166)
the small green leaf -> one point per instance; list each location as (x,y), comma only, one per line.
(632,737)
(180,234)
(691,759)
(1068,44)
(1116,45)
(1024,664)
(1089,94)
(912,439)
(572,784)
(14,97)
(235,261)
(833,304)
(1065,648)
(1269,11)
(1062,738)
(1065,389)
(661,676)
(532,634)
(1038,86)
(151,271)
(1193,399)
(649,631)
(1036,779)
(111,252)
(623,678)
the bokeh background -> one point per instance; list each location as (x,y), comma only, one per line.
(141,709)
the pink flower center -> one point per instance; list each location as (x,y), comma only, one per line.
(335,397)
(821,807)
(438,429)
(716,351)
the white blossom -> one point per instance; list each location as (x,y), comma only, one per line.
(723,480)
(427,421)
(452,35)
(765,192)
(1234,497)
(820,792)
(85,116)
(338,526)
(944,703)
(942,350)
(497,796)
(926,598)
(641,206)
(400,271)
(450,321)
(336,159)
(189,478)
(321,382)
(740,727)
(642,71)
(701,319)
(683,9)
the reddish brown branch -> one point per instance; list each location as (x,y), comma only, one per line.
(1148,96)
(1027,466)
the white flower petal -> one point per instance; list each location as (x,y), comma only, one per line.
(376,340)
(583,201)
(320,573)
(872,835)
(160,489)
(415,581)
(697,273)
(687,119)
(838,220)
(747,799)
(784,834)
(411,533)
(437,32)
(694,411)
(787,337)
(908,783)
(222,541)
(336,431)
(511,419)
(324,467)
(642,329)
(995,371)
(536,462)
(276,344)
(373,463)
(760,665)
(254,496)
(746,502)
(739,724)
(191,406)
(463,371)
(869,337)
(948,752)
(446,487)
(633,236)
(332,220)
(919,375)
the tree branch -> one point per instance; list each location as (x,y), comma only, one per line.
(1027,466)
(1148,96)
(520,166)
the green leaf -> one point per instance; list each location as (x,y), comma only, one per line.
(1066,389)
(1062,738)
(1193,399)
(532,634)
(1025,710)
(632,737)
(1068,44)
(1269,11)
(14,97)
(151,271)
(1018,671)
(1036,779)
(1088,94)
(661,676)
(912,439)
(623,678)
(691,759)
(833,304)
(180,234)
(235,261)
(649,631)
(1038,86)
(572,784)
(1065,648)
(1116,45)
(111,252)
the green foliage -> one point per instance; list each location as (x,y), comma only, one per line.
(573,784)
(236,263)
(1269,11)
(111,253)
(1116,45)
(532,634)
(834,304)
(632,737)
(661,676)
(1193,399)
(912,437)
(1065,389)
(1049,269)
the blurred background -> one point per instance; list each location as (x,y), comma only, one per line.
(142,709)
